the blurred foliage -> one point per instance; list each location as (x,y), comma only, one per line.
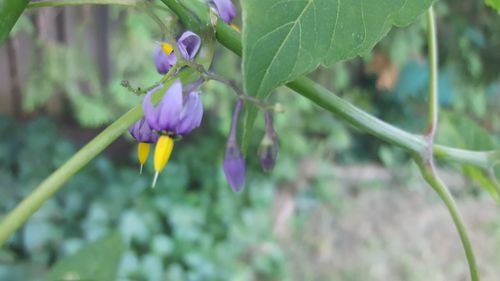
(188,228)
(192,227)
(96,261)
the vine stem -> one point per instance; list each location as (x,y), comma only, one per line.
(50,185)
(429,174)
(46,189)
(425,160)
(433,117)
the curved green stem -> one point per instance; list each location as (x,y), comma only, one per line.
(17,217)
(433,77)
(425,160)
(54,182)
(430,176)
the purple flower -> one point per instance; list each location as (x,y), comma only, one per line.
(234,163)
(175,114)
(226,10)
(163,61)
(164,55)
(189,43)
(141,132)
(269,146)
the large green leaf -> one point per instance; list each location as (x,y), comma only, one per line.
(284,39)
(10,11)
(98,261)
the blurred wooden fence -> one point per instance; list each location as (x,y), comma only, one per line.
(56,25)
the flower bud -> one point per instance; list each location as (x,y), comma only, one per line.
(269,146)
(234,163)
(226,10)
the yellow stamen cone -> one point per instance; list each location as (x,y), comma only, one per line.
(167,48)
(143,153)
(163,150)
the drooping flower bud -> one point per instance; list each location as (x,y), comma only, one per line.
(269,146)
(234,163)
(142,133)
(164,56)
(226,10)
(175,115)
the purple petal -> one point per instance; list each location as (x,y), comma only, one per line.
(162,61)
(141,132)
(268,154)
(226,10)
(234,168)
(191,114)
(172,59)
(189,44)
(150,112)
(170,108)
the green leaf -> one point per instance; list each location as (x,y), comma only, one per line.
(97,261)
(10,11)
(285,39)
(495,4)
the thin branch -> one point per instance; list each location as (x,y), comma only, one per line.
(46,189)
(433,77)
(435,182)
(425,160)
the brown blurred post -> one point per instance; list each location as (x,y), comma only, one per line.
(15,88)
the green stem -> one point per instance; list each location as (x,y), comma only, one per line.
(433,76)
(429,175)
(17,217)
(425,160)
(55,181)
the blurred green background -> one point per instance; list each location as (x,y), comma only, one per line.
(339,205)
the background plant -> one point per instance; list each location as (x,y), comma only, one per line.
(384,152)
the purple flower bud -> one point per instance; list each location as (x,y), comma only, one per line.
(234,163)
(189,44)
(164,57)
(162,60)
(174,114)
(141,132)
(269,146)
(226,10)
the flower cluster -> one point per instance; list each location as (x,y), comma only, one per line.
(180,111)
(175,116)
(234,163)
(164,56)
